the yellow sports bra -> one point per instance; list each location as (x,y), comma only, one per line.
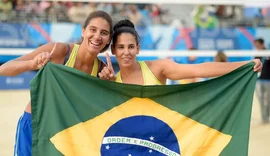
(72,58)
(148,77)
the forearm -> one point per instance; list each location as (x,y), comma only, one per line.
(214,69)
(13,68)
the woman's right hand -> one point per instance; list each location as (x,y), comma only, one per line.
(32,61)
(40,60)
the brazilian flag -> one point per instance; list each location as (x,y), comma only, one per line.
(75,114)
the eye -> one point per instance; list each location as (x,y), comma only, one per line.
(104,33)
(92,30)
(120,47)
(131,47)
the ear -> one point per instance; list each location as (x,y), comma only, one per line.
(138,49)
(113,49)
(83,32)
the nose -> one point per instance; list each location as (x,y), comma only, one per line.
(97,36)
(126,51)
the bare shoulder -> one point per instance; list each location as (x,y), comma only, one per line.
(60,48)
(157,67)
(161,65)
(60,51)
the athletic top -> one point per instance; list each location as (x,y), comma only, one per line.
(70,60)
(148,77)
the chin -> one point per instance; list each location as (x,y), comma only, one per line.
(126,64)
(94,50)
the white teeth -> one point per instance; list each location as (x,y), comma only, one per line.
(95,43)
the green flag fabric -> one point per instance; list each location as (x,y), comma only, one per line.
(75,114)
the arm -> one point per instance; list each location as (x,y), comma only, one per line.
(32,61)
(175,71)
(13,68)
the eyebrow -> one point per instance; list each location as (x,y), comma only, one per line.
(120,44)
(101,29)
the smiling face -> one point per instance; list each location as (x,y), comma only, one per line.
(96,35)
(125,49)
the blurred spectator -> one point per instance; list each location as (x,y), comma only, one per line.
(146,15)
(20,7)
(19,12)
(57,12)
(5,5)
(192,59)
(119,12)
(5,8)
(260,18)
(220,57)
(106,7)
(118,7)
(68,5)
(220,11)
(31,7)
(42,10)
(204,16)
(44,5)
(141,6)
(91,7)
(156,14)
(223,11)
(134,15)
(263,84)
(76,13)
(259,44)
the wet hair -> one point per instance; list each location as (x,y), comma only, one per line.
(124,26)
(100,14)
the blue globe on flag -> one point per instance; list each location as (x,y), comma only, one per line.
(140,136)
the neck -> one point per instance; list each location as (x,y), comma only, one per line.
(84,57)
(127,71)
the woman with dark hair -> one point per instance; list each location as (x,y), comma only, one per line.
(125,46)
(96,33)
